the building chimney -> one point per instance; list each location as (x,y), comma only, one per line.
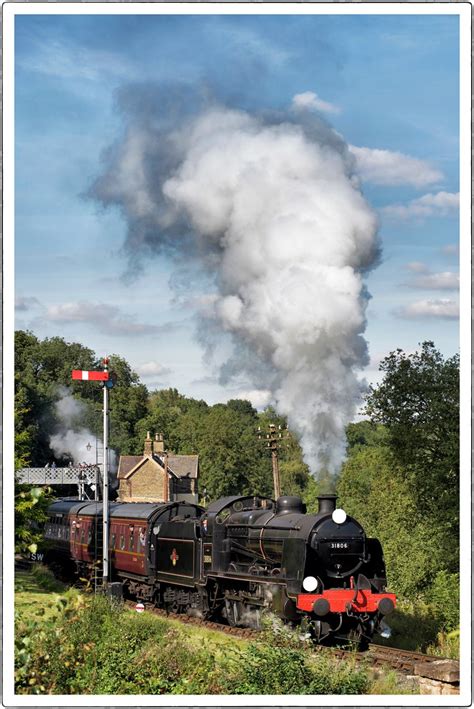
(148,445)
(158,443)
(327,504)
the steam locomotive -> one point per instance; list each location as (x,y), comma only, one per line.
(233,561)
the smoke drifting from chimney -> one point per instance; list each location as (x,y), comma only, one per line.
(271,209)
(72,438)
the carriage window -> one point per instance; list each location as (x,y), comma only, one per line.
(130,542)
(82,537)
(89,536)
(122,541)
(113,541)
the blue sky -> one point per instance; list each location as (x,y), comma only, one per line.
(388,84)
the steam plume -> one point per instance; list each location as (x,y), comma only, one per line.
(72,438)
(270,207)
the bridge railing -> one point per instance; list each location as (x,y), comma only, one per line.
(60,476)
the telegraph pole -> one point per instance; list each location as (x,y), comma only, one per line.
(273,439)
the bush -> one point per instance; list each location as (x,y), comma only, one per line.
(279,669)
(96,647)
(443,596)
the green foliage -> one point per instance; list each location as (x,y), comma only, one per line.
(418,402)
(95,646)
(372,488)
(446,645)
(365,433)
(31,504)
(443,597)
(45,579)
(128,405)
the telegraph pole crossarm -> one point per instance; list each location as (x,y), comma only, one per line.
(273,439)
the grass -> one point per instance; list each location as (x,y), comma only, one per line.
(37,593)
(415,627)
(68,642)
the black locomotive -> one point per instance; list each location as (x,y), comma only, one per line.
(242,556)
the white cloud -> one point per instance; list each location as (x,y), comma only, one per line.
(152,369)
(24,303)
(417,267)
(441,204)
(71,61)
(443,308)
(386,167)
(447,280)
(311,101)
(251,43)
(106,318)
(450,250)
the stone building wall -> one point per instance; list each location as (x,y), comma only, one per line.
(146,484)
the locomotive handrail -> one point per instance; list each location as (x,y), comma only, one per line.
(263,526)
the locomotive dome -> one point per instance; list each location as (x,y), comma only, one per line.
(290,503)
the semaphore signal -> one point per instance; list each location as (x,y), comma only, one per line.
(108,379)
(90,376)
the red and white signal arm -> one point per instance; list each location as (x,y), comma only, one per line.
(86,376)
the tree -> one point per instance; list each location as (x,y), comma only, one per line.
(418,403)
(128,404)
(373,489)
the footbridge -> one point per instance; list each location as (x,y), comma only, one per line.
(82,476)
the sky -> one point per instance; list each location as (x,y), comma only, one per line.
(388,85)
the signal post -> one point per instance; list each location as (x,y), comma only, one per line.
(108,380)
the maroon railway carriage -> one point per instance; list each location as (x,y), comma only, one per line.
(75,530)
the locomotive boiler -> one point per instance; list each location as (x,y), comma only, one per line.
(240,558)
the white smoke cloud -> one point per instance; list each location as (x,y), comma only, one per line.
(259,398)
(275,216)
(68,409)
(72,439)
(387,167)
(308,100)
(74,444)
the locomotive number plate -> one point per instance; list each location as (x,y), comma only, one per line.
(339,545)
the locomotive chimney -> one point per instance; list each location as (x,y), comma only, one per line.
(327,504)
